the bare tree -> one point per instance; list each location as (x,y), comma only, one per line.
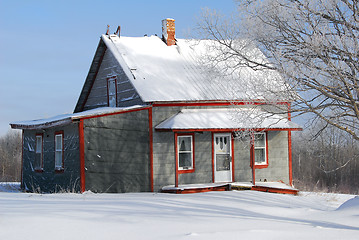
(10,156)
(313,44)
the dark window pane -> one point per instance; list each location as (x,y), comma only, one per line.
(185,160)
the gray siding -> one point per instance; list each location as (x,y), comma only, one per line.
(278,168)
(203,161)
(126,94)
(117,153)
(164,156)
(49,180)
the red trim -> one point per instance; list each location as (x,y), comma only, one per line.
(289,112)
(253,163)
(41,169)
(151,145)
(290,158)
(110,114)
(176,162)
(275,190)
(82,156)
(22,160)
(213,103)
(252,160)
(225,187)
(228,129)
(63,162)
(232,143)
(193,153)
(108,93)
(95,76)
(212,157)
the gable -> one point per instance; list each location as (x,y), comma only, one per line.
(95,90)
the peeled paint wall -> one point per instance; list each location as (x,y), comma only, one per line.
(49,180)
(117,153)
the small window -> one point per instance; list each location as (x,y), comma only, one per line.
(185,152)
(260,151)
(112,91)
(39,152)
(59,151)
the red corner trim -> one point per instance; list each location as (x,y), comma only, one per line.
(176,162)
(290,158)
(212,157)
(151,145)
(252,160)
(232,143)
(82,156)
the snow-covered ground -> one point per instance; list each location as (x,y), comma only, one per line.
(212,215)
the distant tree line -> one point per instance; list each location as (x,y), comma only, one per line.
(10,157)
(327,161)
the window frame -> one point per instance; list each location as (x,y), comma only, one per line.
(41,167)
(108,79)
(181,169)
(59,168)
(265,163)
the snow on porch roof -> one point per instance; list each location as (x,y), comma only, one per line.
(235,119)
(68,118)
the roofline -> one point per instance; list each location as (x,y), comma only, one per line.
(217,103)
(73,119)
(91,76)
(225,129)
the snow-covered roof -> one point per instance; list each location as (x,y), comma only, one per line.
(68,118)
(224,118)
(182,72)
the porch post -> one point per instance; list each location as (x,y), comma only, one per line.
(252,160)
(176,161)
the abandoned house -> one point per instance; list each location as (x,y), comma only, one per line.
(154,112)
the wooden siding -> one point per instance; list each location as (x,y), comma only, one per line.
(164,155)
(48,180)
(117,153)
(126,94)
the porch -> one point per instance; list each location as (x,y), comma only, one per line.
(272,187)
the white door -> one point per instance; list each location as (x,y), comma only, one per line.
(222,157)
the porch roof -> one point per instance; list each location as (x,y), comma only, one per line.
(227,119)
(68,118)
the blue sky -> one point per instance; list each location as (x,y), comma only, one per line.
(46,47)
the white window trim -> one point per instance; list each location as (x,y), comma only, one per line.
(261,147)
(59,167)
(39,136)
(178,153)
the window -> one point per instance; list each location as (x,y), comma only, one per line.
(185,152)
(39,153)
(260,151)
(112,91)
(59,151)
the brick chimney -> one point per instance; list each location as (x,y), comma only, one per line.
(168,31)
